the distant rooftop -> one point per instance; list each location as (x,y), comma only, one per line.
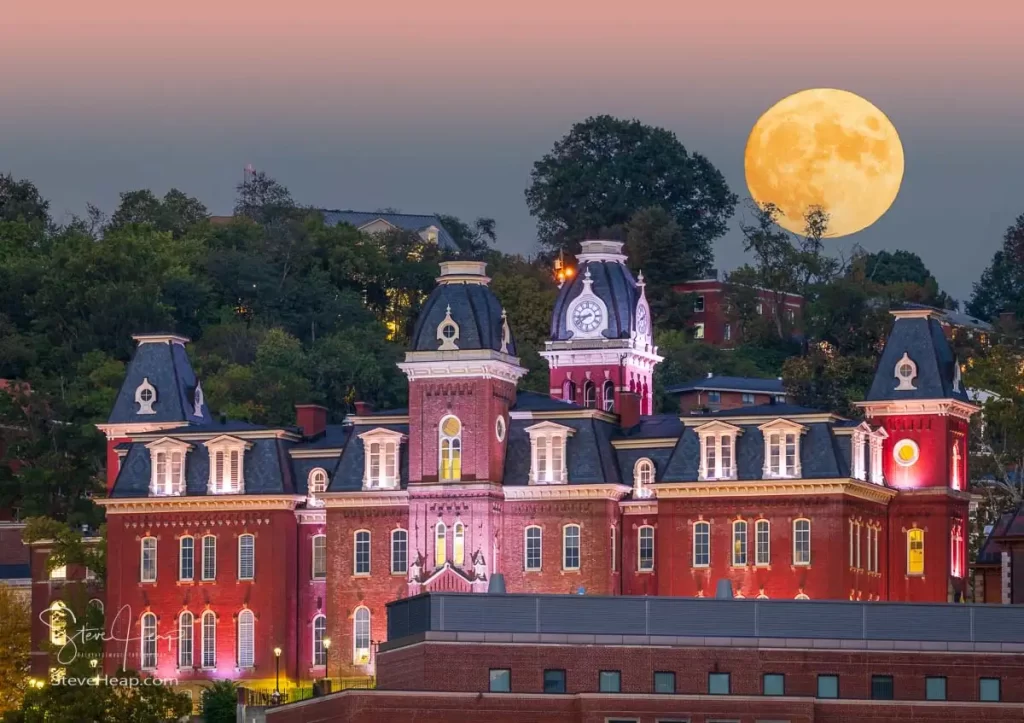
(715,383)
(405,221)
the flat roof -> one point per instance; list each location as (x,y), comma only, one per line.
(624,619)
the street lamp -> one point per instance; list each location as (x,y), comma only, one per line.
(94,663)
(277,670)
(327,661)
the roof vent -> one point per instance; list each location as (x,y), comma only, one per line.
(463,272)
(723,590)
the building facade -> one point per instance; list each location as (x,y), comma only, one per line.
(715,393)
(715,321)
(242,548)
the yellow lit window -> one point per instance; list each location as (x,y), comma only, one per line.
(459,544)
(58,623)
(915,552)
(440,544)
(451,449)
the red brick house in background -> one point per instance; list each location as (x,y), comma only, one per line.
(999,568)
(714,393)
(715,322)
(234,540)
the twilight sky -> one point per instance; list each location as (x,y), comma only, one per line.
(444,106)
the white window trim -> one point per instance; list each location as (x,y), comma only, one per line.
(554,434)
(394,534)
(639,537)
(858,443)
(905,383)
(693,534)
(579,545)
(253,538)
(876,441)
(167,487)
(810,551)
(441,560)
(458,543)
(202,560)
(142,559)
(355,553)
(383,437)
(226,444)
(712,433)
(142,642)
(58,621)
(757,527)
(441,437)
(315,664)
(312,559)
(183,664)
(784,428)
(526,547)
(643,490)
(242,664)
(315,472)
(734,557)
(361,656)
(181,558)
(203,639)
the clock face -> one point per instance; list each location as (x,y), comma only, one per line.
(641,319)
(586,316)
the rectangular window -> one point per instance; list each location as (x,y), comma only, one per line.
(801,542)
(915,552)
(698,304)
(187,558)
(501,680)
(148,571)
(399,552)
(185,625)
(935,688)
(531,559)
(571,547)
(554,681)
(828,686)
(609,681)
(857,536)
(698,331)
(611,543)
(718,684)
(319,557)
(988,689)
(763,553)
(209,557)
(881,687)
(645,563)
(727,332)
(701,544)
(773,684)
(714,397)
(739,543)
(874,552)
(665,682)
(246,557)
(209,640)
(362,553)
(747,399)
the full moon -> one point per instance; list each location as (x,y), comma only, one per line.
(827,148)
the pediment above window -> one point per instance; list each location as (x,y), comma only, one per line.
(227,464)
(548,463)
(549,428)
(381,450)
(167,466)
(783,425)
(718,427)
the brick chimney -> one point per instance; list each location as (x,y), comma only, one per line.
(363,408)
(311,419)
(629,409)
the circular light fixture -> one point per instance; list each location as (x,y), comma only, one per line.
(906,452)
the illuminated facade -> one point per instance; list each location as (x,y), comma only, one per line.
(228,540)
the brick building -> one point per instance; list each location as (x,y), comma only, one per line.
(456,657)
(999,567)
(714,319)
(232,540)
(714,393)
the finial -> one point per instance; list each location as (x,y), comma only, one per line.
(448,310)
(640,279)
(586,274)
(504,314)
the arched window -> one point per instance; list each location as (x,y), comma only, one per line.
(802,596)
(645,549)
(186,558)
(246,557)
(571,547)
(319,557)
(96,604)
(399,552)
(643,476)
(361,558)
(319,633)
(317,481)
(801,542)
(58,623)
(246,639)
(608,396)
(209,639)
(451,448)
(209,557)
(589,394)
(440,544)
(915,551)
(361,636)
(739,543)
(701,544)
(459,544)
(147,571)
(185,632)
(569,390)
(532,548)
(148,641)
(762,543)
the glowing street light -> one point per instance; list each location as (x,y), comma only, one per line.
(277,671)
(327,662)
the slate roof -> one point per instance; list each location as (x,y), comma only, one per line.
(923,340)
(476,310)
(536,402)
(406,221)
(614,284)
(730,384)
(168,369)
(763,410)
(589,456)
(990,552)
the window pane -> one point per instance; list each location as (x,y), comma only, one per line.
(186,568)
(399,551)
(610,681)
(881,687)
(828,686)
(246,557)
(185,640)
(665,683)
(988,689)
(701,544)
(571,547)
(362,566)
(763,552)
(935,688)
(320,557)
(646,561)
(739,543)
(209,557)
(501,680)
(319,632)
(554,681)
(246,640)
(718,683)
(774,684)
(532,548)
(209,640)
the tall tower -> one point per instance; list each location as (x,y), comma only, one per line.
(918,398)
(602,343)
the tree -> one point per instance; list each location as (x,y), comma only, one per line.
(263,200)
(20,200)
(825,379)
(220,701)
(15,646)
(473,241)
(69,547)
(1001,287)
(606,169)
(175,214)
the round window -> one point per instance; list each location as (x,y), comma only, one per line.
(451,427)
(146,395)
(499,428)
(906,371)
(448,331)
(906,452)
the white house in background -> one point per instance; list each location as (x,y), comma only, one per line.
(428,227)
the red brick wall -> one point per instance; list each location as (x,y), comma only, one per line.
(311,600)
(697,400)
(935,514)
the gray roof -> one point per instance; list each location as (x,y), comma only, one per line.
(772,411)
(662,617)
(476,310)
(923,340)
(168,369)
(536,402)
(614,284)
(407,221)
(730,384)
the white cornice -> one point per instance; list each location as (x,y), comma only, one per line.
(545,428)
(815,418)
(568,413)
(648,443)
(311,517)
(639,507)
(315,453)
(141,339)
(613,492)
(941,407)
(133,429)
(199,503)
(365,498)
(450,365)
(783,423)
(776,488)
(382,433)
(355,419)
(717,425)
(618,352)
(212,434)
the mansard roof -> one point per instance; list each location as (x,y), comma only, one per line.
(161,360)
(613,283)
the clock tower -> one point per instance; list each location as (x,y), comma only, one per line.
(601,341)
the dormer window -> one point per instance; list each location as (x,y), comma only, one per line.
(227,473)
(859,441)
(876,440)
(167,463)
(906,372)
(782,449)
(643,476)
(547,444)
(448,332)
(317,482)
(380,450)
(198,400)
(145,397)
(717,451)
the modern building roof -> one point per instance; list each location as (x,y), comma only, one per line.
(715,383)
(405,221)
(667,620)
